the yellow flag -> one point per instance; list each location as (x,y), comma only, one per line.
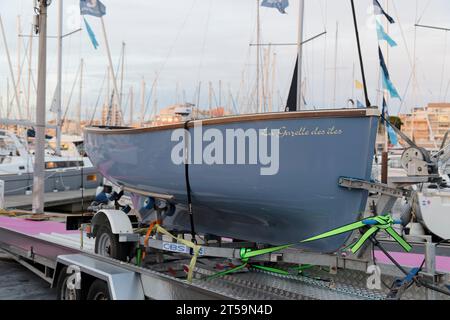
(359,85)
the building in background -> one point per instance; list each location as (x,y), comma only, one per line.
(169,115)
(427,126)
(111,116)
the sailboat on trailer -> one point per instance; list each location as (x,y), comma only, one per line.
(299,199)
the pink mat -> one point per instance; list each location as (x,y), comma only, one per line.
(33,227)
(412,260)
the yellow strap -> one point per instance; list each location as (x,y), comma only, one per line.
(190,244)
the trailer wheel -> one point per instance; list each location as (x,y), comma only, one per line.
(64,293)
(98,291)
(107,244)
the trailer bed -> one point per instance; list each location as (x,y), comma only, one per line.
(42,246)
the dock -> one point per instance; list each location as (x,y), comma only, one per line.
(19,283)
(65,201)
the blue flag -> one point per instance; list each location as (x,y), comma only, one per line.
(392,135)
(281,5)
(387,83)
(382,35)
(384,110)
(91,34)
(92,7)
(391,132)
(378,9)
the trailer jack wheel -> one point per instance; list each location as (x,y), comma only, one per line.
(107,244)
(98,291)
(63,292)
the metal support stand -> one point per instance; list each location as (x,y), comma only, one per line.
(430,264)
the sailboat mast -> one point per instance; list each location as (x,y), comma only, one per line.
(16,93)
(141,118)
(258,40)
(59,75)
(111,68)
(363,74)
(30,55)
(386,96)
(131,106)
(301,16)
(19,49)
(39,158)
(121,73)
(336,47)
(80,101)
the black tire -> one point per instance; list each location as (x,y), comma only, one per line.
(116,250)
(98,291)
(63,293)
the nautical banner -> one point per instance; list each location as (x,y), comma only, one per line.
(384,110)
(91,34)
(392,135)
(92,7)
(390,131)
(378,10)
(387,83)
(382,35)
(281,5)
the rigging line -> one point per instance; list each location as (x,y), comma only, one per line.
(116,74)
(98,98)
(423,13)
(246,65)
(163,64)
(21,79)
(70,96)
(412,59)
(402,103)
(444,64)
(324,13)
(205,36)
(447,90)
(415,83)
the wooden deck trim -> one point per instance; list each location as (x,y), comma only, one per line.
(341,113)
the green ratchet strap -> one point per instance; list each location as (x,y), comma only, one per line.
(246,254)
(375,223)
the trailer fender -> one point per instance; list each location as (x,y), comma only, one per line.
(118,220)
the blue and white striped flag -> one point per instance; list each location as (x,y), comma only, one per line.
(387,83)
(390,131)
(378,10)
(281,5)
(382,35)
(92,7)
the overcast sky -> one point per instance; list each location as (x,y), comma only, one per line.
(188,41)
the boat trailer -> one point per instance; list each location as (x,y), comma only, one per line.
(132,262)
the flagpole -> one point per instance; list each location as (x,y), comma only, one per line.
(108,51)
(59,80)
(355,22)
(386,96)
(299,53)
(39,157)
(258,30)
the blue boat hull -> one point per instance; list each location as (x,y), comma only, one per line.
(303,199)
